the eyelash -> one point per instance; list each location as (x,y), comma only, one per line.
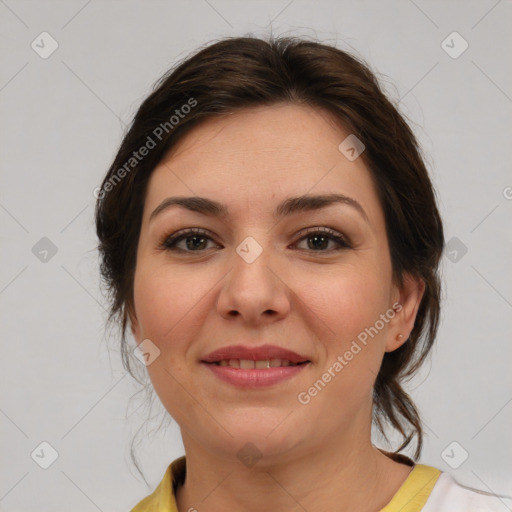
(169,242)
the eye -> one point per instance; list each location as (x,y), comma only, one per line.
(320,238)
(195,240)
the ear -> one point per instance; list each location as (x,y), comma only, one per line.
(406,304)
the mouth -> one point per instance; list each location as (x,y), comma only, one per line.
(262,364)
(254,367)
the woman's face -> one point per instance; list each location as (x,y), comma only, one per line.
(259,273)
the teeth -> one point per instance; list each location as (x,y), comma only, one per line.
(249,364)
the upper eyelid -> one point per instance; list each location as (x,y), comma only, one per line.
(304,231)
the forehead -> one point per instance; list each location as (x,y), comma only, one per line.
(255,157)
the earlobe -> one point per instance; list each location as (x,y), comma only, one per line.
(397,342)
(410,296)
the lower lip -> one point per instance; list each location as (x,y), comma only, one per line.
(256,378)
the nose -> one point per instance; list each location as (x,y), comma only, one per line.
(254,291)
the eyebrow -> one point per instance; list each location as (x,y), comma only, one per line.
(289,206)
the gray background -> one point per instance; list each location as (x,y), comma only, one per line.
(62,119)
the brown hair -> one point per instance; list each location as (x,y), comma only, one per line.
(239,72)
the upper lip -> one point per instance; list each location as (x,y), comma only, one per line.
(261,353)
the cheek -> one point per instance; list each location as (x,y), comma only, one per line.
(171,307)
(349,306)
(347,301)
(167,298)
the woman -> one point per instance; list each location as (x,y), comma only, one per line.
(270,234)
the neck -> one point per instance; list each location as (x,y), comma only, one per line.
(333,475)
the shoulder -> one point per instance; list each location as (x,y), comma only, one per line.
(450,496)
(163,498)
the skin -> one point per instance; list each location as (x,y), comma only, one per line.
(317,456)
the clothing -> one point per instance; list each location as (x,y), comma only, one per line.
(426,489)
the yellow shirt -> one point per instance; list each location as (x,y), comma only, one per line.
(411,496)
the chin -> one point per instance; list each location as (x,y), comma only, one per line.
(257,441)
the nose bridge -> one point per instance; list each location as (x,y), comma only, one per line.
(251,266)
(251,288)
(250,249)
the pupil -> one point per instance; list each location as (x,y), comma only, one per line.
(194,245)
(316,239)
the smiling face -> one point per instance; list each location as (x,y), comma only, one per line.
(256,271)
